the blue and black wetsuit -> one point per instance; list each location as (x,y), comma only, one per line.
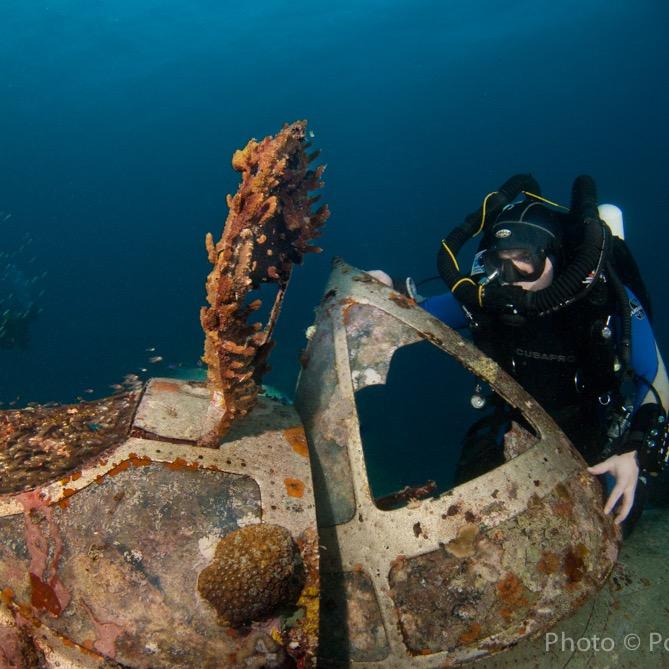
(553,357)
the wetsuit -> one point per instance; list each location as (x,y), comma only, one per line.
(553,358)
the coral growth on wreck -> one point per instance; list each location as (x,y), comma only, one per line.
(255,569)
(268,229)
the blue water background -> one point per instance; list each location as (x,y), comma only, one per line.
(118,121)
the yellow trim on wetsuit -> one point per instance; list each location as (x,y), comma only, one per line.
(483,210)
(450,253)
(459,281)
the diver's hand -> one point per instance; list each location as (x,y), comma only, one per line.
(625,470)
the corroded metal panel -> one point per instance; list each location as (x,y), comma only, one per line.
(474,570)
(172,409)
(352,614)
(102,567)
(323,411)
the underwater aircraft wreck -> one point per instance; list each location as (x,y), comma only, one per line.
(204,525)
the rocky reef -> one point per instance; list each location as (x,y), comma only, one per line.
(268,230)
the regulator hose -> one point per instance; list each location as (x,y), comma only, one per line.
(590,257)
(447,265)
(579,277)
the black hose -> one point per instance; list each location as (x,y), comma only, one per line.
(578,278)
(584,197)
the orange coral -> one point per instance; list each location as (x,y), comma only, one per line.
(268,229)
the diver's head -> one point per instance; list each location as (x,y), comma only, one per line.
(525,245)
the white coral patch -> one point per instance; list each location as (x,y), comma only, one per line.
(207,546)
(366,377)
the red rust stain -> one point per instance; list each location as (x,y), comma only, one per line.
(165,386)
(139,460)
(549,563)
(563,508)
(180,464)
(573,564)
(401,300)
(506,613)
(294,487)
(510,591)
(298,440)
(76,476)
(346,307)
(120,467)
(43,596)
(7,596)
(453,510)
(83,647)
(471,634)
(67,492)
(133,459)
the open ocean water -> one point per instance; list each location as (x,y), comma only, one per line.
(118,121)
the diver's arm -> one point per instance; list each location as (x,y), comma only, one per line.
(447,309)
(641,450)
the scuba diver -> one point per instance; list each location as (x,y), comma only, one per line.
(558,302)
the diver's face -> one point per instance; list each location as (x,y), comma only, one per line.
(523,262)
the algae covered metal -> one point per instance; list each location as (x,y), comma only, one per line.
(450,578)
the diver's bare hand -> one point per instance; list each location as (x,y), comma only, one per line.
(625,470)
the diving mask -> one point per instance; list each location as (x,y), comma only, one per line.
(514,265)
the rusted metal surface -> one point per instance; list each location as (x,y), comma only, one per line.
(100,568)
(456,577)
